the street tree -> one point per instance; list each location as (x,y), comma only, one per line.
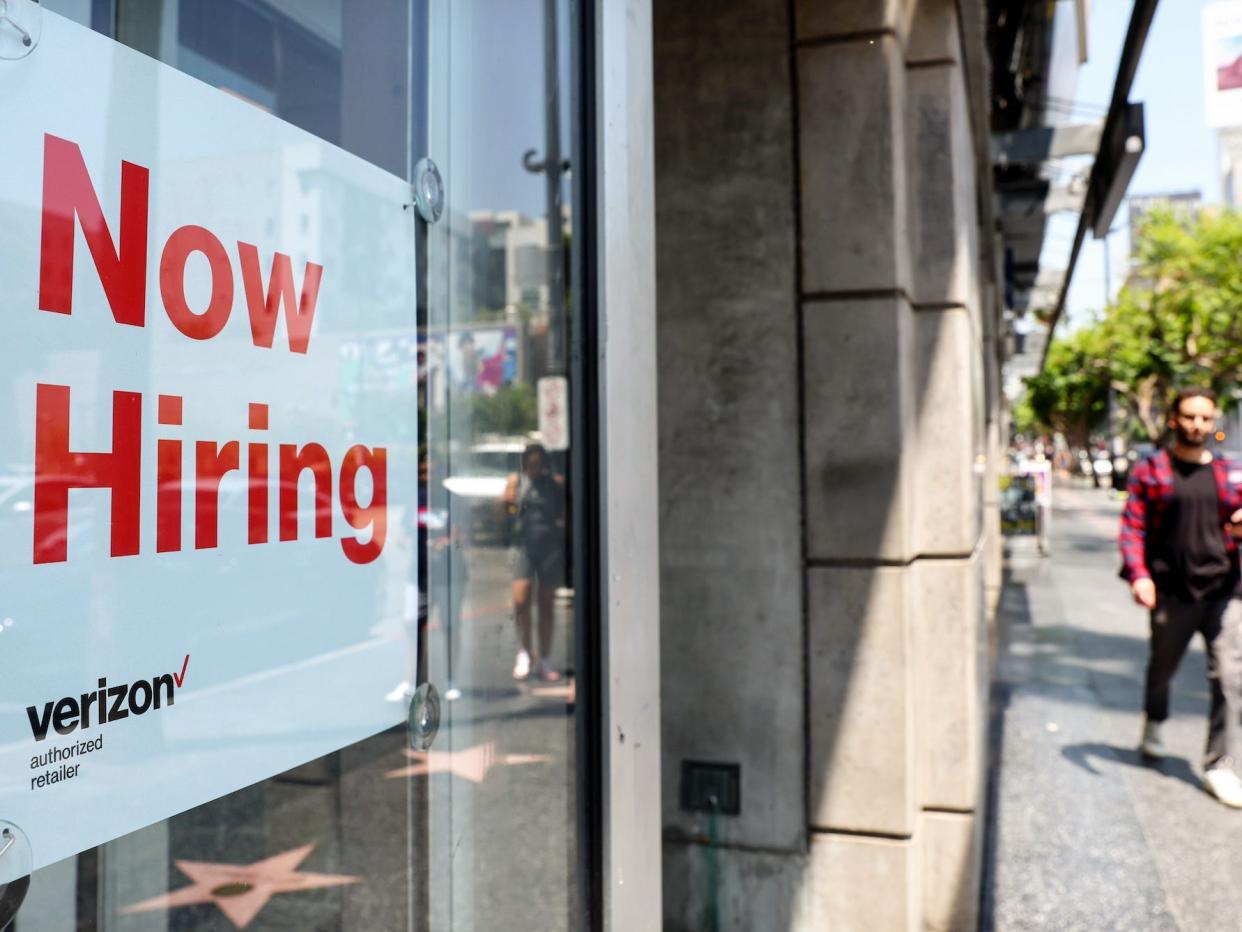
(1070,394)
(1177,322)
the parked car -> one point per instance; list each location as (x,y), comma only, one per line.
(480,487)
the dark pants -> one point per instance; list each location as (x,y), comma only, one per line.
(1173,624)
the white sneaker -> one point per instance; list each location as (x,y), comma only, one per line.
(546,672)
(400,693)
(1224,784)
(1151,745)
(521,665)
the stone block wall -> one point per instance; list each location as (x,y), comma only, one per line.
(826,311)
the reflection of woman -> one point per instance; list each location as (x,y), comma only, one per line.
(537,499)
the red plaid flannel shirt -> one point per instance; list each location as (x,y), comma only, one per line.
(1150,490)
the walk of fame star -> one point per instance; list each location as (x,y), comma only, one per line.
(241,890)
(473,764)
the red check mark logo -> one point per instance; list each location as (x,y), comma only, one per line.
(179,678)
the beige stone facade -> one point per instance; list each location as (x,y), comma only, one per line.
(827,340)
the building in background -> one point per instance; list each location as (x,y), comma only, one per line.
(1222,84)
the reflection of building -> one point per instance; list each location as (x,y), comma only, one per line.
(510,255)
(303,60)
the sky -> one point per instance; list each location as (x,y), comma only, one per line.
(1181,153)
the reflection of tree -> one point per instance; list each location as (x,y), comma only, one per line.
(512,410)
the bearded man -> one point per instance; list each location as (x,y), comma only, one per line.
(1179,553)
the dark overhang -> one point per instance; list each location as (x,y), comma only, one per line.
(1121,144)
(1030,134)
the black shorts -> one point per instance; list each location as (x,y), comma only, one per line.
(546,565)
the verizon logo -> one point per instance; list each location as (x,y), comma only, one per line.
(108,703)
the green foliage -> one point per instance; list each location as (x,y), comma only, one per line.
(1070,395)
(512,410)
(1024,419)
(1177,322)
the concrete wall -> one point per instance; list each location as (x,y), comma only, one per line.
(730,496)
(825,311)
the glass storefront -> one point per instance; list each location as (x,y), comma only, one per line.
(351,512)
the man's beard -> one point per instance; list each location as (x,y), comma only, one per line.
(1186,441)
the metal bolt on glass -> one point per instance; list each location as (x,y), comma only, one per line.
(16,864)
(424,717)
(20,28)
(15,857)
(428,190)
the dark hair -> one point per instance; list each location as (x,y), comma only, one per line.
(531,450)
(1185,394)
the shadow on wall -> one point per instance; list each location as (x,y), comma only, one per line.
(875,370)
(862,723)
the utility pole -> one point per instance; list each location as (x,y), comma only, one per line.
(553,167)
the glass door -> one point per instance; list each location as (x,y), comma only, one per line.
(505,566)
(211,451)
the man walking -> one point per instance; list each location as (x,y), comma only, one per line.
(1180,557)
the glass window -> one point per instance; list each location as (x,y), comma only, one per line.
(479,592)
(328,843)
(94,14)
(504,594)
(343,71)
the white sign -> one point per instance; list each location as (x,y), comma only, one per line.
(554,412)
(1222,63)
(201,490)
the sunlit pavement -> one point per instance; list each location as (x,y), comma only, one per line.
(1083,834)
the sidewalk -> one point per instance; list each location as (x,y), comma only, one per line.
(1082,834)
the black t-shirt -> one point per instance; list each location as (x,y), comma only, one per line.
(540,523)
(1192,563)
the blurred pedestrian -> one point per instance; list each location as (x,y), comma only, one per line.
(536,496)
(1180,556)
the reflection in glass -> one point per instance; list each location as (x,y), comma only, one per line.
(479,832)
(325,844)
(504,846)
